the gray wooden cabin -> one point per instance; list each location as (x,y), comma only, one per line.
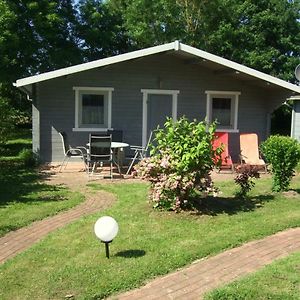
(134,92)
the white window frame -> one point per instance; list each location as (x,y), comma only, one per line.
(146,93)
(223,94)
(94,90)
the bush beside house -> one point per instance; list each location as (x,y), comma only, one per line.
(283,153)
(182,157)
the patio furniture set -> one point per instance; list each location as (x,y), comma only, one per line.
(101,150)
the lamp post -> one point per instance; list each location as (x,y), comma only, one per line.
(106,229)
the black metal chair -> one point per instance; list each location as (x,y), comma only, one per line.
(69,152)
(99,152)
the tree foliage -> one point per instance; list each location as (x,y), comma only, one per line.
(100,30)
(6,121)
(36,36)
(261,34)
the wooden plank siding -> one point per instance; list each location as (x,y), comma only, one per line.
(56,100)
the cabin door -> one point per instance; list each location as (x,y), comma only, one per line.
(159,108)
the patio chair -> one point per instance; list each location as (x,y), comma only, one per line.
(221,139)
(139,153)
(249,151)
(99,152)
(69,152)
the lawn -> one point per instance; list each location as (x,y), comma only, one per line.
(280,281)
(71,261)
(20,140)
(23,198)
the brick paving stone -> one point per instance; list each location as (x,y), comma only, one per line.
(193,281)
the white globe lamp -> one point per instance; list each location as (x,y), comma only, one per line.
(106,229)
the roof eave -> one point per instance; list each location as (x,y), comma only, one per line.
(95,64)
(240,68)
(176,46)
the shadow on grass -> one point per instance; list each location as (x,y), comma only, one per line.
(14,149)
(133,253)
(230,205)
(18,182)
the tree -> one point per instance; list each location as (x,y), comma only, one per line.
(6,121)
(35,36)
(261,34)
(100,30)
(149,23)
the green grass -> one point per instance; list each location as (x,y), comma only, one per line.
(278,281)
(21,140)
(150,243)
(23,199)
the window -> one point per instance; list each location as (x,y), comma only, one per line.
(92,108)
(222,106)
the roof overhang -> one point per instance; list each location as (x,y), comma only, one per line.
(174,46)
(294,98)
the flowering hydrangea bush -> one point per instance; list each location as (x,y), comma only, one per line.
(182,157)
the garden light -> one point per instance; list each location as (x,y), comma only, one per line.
(106,229)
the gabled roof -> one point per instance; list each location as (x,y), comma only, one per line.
(174,46)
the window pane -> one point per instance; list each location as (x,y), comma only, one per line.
(92,109)
(221,111)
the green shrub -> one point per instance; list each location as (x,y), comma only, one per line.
(283,153)
(28,158)
(182,157)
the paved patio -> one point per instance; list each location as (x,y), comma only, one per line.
(75,171)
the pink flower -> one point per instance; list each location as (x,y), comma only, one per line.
(165,162)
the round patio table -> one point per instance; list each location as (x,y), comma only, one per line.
(117,150)
(114,145)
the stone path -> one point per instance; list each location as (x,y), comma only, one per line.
(206,274)
(17,241)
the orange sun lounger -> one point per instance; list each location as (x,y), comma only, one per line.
(249,150)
